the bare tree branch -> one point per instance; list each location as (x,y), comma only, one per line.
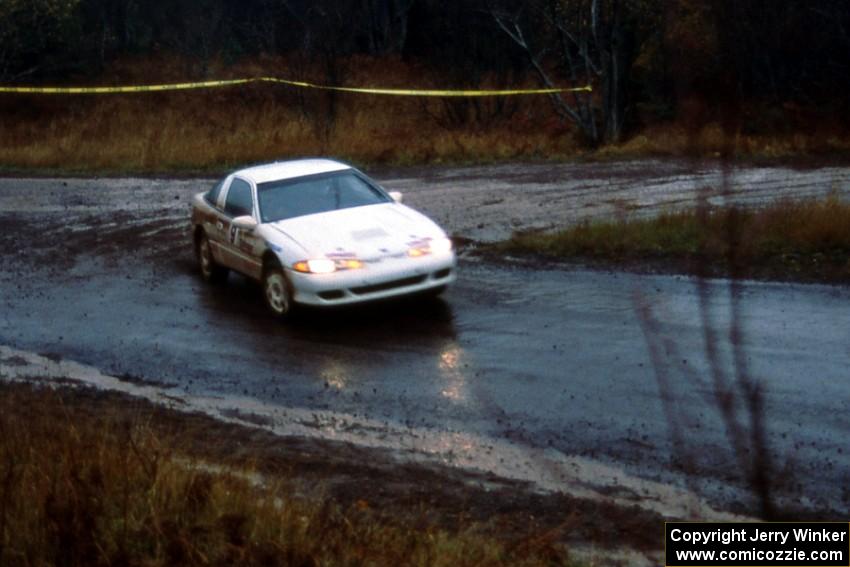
(514,31)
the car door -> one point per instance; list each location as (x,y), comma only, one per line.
(240,247)
(214,219)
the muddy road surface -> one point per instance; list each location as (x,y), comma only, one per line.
(573,380)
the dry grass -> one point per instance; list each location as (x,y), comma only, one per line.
(79,487)
(216,129)
(805,239)
(674,140)
(165,132)
(221,128)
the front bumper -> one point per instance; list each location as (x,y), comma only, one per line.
(388,278)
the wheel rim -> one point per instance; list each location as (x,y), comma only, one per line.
(205,257)
(276,293)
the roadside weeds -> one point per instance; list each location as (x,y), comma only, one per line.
(787,240)
(94,478)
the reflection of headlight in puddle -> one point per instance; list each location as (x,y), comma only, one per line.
(449,358)
(450,369)
(335,375)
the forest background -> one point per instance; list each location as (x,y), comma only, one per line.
(669,77)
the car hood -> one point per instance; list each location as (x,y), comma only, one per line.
(372,231)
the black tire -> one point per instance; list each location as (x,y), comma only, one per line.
(277,292)
(209,268)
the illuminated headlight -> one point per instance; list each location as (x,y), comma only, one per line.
(317,266)
(349,264)
(326,266)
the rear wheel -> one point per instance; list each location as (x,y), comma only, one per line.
(210,270)
(277,292)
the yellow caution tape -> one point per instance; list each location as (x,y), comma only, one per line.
(125,89)
(426,92)
(302,84)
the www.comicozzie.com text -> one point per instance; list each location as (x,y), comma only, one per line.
(757,534)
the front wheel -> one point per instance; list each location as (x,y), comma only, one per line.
(277,292)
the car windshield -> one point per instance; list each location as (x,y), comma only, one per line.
(290,198)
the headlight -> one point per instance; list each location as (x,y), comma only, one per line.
(349,264)
(326,266)
(317,266)
(433,246)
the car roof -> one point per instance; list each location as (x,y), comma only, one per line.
(290,169)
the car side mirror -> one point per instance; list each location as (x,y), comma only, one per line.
(396,195)
(245,222)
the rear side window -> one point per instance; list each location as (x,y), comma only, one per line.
(239,200)
(212,194)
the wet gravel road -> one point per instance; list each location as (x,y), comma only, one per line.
(574,362)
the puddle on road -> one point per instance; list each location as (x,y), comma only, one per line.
(547,469)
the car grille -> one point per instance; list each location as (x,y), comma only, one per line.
(364,289)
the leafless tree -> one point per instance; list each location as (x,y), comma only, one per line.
(29,30)
(386,25)
(201,23)
(587,39)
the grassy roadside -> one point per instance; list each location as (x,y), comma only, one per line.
(88,478)
(203,132)
(77,489)
(217,129)
(214,130)
(789,240)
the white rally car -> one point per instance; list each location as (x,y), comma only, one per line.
(317,232)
